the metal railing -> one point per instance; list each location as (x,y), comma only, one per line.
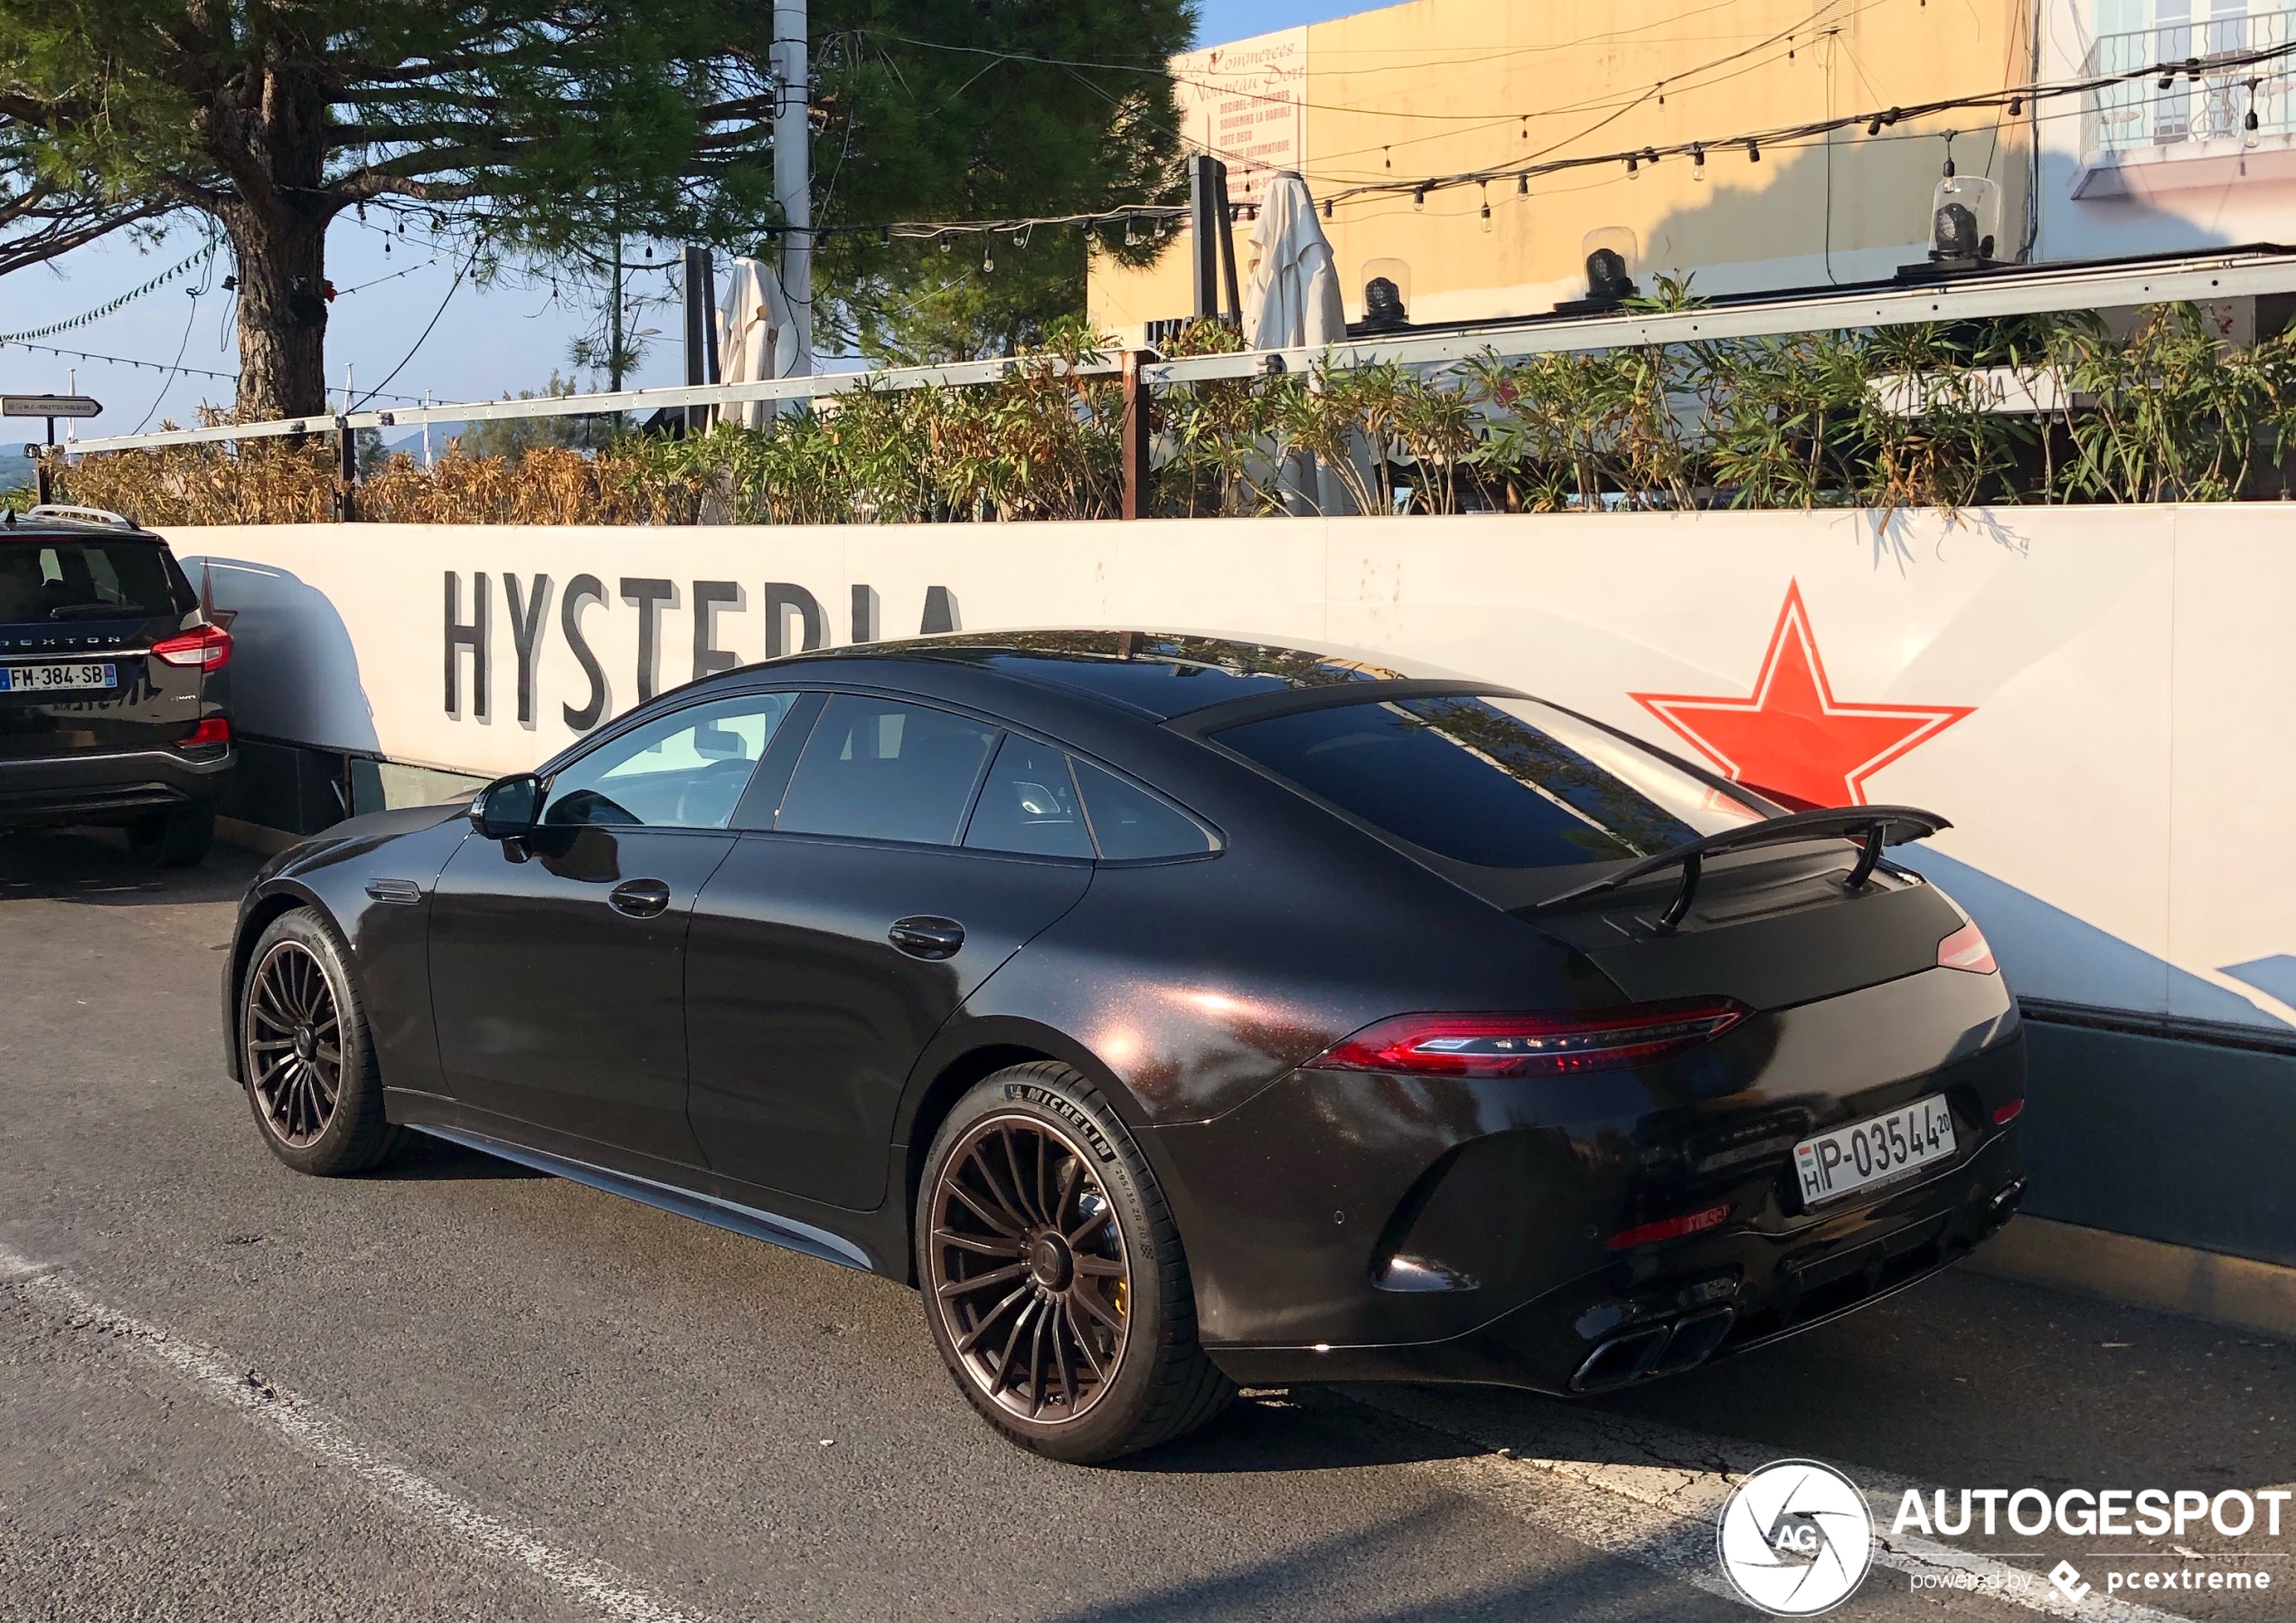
(2207,99)
(2033,291)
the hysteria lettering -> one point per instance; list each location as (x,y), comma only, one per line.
(470,631)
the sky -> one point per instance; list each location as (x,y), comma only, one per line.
(485,341)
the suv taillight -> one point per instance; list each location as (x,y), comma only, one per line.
(1532,1044)
(1967,949)
(209,648)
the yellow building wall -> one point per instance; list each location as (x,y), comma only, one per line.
(1443,87)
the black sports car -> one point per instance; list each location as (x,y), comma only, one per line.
(1174,1013)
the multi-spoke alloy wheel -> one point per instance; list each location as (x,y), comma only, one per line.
(1029,1271)
(294,1043)
(1054,1278)
(304,1051)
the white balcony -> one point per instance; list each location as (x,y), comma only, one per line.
(2139,138)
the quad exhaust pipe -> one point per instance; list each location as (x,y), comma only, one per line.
(1661,1349)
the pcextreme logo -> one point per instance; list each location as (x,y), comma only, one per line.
(1795,1538)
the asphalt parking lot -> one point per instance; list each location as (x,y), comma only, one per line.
(455,1389)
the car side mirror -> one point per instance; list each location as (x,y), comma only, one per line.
(508,808)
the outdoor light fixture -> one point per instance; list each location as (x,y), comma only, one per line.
(1964,223)
(1875,128)
(1606,276)
(2017,106)
(1697,163)
(1383,307)
(1522,181)
(1327,208)
(1419,198)
(2250,122)
(1486,206)
(1634,172)
(1609,253)
(1752,152)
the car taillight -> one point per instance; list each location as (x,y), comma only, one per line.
(213,729)
(2009,1112)
(1966,949)
(209,648)
(1532,1044)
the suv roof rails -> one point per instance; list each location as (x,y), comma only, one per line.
(84,515)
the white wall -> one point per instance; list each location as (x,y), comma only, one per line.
(2098,698)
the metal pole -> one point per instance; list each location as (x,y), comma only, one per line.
(793,173)
(1222,215)
(700,335)
(1202,196)
(614,317)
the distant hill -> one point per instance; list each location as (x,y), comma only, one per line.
(16,468)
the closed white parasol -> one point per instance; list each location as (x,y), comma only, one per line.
(757,336)
(1294,294)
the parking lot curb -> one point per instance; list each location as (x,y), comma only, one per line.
(2144,1273)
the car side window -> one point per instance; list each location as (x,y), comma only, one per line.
(684,770)
(879,769)
(1129,823)
(1028,804)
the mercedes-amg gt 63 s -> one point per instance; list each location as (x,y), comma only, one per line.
(1173,1012)
(115,699)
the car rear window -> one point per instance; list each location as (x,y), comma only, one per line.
(1498,782)
(46,580)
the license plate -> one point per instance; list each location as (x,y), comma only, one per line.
(51,679)
(1877,1151)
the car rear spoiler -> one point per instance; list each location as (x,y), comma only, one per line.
(1873,827)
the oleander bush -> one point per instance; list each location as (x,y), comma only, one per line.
(2050,410)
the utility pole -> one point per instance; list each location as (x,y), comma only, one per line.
(792,171)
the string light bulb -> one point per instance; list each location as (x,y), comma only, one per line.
(1753,152)
(1634,169)
(1522,185)
(1419,198)
(1697,163)
(2251,124)
(1486,206)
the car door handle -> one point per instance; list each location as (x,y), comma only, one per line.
(927,937)
(639,898)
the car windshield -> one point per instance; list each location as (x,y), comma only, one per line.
(1500,782)
(67,578)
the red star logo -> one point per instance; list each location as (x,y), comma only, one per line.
(1793,740)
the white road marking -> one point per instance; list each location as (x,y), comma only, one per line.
(1652,1493)
(591,1584)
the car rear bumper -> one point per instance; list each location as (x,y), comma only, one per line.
(1703,1300)
(94,787)
(1356,1226)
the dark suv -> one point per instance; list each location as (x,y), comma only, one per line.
(114,701)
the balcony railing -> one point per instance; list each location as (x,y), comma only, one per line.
(2208,98)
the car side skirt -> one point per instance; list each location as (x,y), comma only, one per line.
(773,1229)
